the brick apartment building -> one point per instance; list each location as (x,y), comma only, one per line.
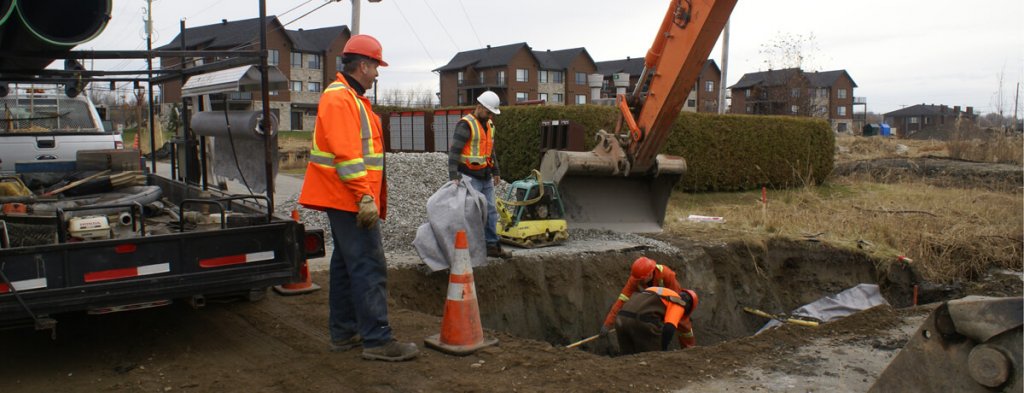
(922,118)
(794,92)
(308,58)
(702,98)
(517,73)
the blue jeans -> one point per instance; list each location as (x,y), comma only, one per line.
(358,293)
(486,187)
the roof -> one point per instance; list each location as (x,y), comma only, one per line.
(827,78)
(559,59)
(631,65)
(918,110)
(316,40)
(239,33)
(767,78)
(222,35)
(781,77)
(485,57)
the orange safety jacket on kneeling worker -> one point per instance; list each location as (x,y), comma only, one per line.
(476,154)
(346,160)
(663,277)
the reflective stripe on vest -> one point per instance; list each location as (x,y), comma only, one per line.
(623,297)
(478,157)
(356,167)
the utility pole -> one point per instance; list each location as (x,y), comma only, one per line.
(725,68)
(149,82)
(355,17)
(1016,104)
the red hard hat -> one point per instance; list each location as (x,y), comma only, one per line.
(362,44)
(642,267)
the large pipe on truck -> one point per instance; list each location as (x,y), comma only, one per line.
(49,26)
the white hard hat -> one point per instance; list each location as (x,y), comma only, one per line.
(490,101)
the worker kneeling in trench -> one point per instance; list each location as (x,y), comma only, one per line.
(654,314)
(649,320)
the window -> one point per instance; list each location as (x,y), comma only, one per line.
(542,76)
(581,78)
(913,120)
(521,96)
(794,108)
(273,57)
(461,77)
(709,86)
(522,75)
(462,97)
(296,59)
(841,93)
(501,78)
(338,64)
(314,87)
(750,108)
(841,127)
(557,76)
(746,93)
(794,92)
(691,103)
(581,99)
(558,97)
(841,110)
(314,62)
(296,86)
(543,96)
(483,79)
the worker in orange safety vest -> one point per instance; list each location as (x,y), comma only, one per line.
(649,320)
(345,178)
(646,273)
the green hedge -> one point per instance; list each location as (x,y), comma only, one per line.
(722,152)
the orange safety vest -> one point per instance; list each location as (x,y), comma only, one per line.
(346,160)
(675,315)
(476,154)
(663,277)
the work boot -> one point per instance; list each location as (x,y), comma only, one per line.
(393,351)
(495,250)
(345,345)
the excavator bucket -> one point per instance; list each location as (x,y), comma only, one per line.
(599,192)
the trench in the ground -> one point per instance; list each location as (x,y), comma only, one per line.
(564,298)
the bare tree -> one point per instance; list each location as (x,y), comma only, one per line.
(787,50)
(999,99)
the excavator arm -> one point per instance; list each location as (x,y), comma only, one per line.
(624,184)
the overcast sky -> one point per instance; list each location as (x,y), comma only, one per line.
(899,52)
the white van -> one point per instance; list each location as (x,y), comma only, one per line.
(39,125)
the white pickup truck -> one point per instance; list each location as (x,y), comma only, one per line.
(43,124)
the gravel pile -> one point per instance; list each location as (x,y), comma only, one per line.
(412,179)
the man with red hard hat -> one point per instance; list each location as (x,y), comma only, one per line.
(646,273)
(345,178)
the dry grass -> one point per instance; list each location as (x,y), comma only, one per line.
(995,148)
(853,148)
(951,234)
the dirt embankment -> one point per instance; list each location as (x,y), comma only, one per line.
(280,343)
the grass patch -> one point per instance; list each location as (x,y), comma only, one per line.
(951,234)
(994,147)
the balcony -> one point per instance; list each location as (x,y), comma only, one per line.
(860,100)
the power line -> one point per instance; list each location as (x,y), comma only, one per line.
(440,23)
(413,32)
(470,20)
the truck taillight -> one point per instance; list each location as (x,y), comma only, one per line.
(313,243)
(119,145)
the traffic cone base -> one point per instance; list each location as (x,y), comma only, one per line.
(458,350)
(302,287)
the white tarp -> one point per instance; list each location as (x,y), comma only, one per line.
(450,209)
(829,308)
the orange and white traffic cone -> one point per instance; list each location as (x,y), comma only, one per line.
(135,144)
(302,287)
(461,333)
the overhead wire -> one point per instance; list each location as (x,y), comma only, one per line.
(440,23)
(407,23)
(470,20)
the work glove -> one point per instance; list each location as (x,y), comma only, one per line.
(604,331)
(367,216)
